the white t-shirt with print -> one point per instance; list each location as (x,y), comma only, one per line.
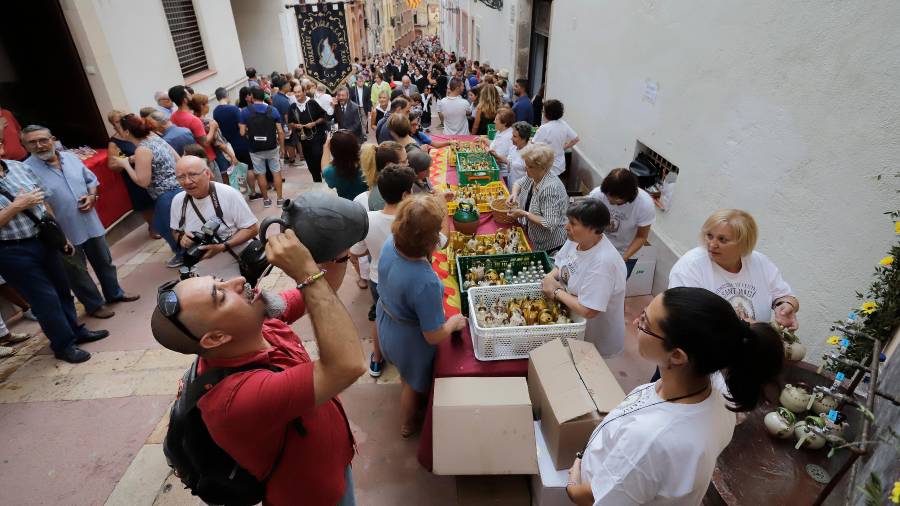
(624,220)
(647,451)
(557,134)
(455,111)
(236,214)
(597,278)
(379,231)
(750,291)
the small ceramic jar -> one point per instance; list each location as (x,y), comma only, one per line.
(780,423)
(794,351)
(795,398)
(823,403)
(806,438)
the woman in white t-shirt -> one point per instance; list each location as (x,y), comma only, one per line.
(660,445)
(521,132)
(728,266)
(557,133)
(501,145)
(589,277)
(631,211)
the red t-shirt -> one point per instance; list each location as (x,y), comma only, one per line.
(12,146)
(249,413)
(195,125)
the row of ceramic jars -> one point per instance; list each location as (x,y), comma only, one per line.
(796,399)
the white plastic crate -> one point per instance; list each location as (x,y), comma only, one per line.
(509,343)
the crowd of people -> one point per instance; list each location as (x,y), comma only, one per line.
(708,333)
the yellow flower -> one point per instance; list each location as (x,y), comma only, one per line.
(897,227)
(833,340)
(868,307)
(895,494)
(888,260)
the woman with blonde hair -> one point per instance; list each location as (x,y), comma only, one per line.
(488,104)
(542,199)
(118,146)
(728,265)
(410,309)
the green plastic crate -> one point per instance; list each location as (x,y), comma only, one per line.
(491,131)
(517,261)
(481,177)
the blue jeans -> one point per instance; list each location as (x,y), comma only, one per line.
(349,498)
(37,273)
(96,251)
(162,219)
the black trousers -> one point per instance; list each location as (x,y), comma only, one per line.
(312,153)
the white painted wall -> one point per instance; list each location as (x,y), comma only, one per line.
(127,49)
(497,34)
(268,35)
(786,109)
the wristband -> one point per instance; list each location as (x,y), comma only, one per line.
(783,301)
(311,279)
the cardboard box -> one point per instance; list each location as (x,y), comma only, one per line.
(492,490)
(548,487)
(641,280)
(573,389)
(483,426)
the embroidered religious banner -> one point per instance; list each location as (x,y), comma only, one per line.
(323,40)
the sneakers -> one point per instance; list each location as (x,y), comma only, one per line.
(174,262)
(254,196)
(279,202)
(14,337)
(267,203)
(375,368)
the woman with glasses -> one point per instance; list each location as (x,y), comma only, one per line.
(542,200)
(589,277)
(660,445)
(154,169)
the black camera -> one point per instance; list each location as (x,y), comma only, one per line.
(205,237)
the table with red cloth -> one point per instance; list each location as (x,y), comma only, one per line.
(456,356)
(114,201)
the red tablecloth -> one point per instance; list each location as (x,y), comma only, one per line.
(114,201)
(456,356)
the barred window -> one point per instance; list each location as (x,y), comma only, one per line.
(186,36)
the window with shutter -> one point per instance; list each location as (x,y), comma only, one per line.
(186,36)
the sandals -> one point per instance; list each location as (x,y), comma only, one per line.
(7,351)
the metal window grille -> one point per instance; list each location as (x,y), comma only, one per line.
(186,36)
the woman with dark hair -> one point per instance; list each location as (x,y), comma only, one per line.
(589,277)
(343,173)
(557,133)
(154,169)
(409,313)
(631,210)
(521,133)
(661,443)
(119,147)
(243,93)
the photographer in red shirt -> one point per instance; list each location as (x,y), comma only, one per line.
(249,414)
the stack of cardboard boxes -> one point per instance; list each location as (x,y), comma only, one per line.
(484,426)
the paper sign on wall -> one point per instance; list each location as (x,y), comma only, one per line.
(650,90)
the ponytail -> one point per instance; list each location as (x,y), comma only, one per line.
(707,329)
(135,125)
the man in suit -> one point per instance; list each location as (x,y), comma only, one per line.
(408,87)
(359,95)
(346,113)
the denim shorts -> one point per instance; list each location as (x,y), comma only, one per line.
(261,158)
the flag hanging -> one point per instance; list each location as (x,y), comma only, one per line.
(323,40)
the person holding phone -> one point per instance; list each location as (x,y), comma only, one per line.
(71,190)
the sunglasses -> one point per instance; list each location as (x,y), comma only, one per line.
(642,325)
(168,305)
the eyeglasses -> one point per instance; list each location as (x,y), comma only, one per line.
(642,325)
(42,140)
(168,305)
(193,176)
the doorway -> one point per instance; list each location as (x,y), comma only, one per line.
(540,42)
(42,79)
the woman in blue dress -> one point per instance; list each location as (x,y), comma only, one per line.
(410,311)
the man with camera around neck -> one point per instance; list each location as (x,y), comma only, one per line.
(252,415)
(204,201)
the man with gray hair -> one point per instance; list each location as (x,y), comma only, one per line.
(71,190)
(177,137)
(346,114)
(164,103)
(324,99)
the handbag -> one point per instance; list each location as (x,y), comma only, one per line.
(49,231)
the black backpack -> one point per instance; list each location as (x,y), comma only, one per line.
(262,133)
(203,466)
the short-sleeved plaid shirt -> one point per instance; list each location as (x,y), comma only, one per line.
(19,177)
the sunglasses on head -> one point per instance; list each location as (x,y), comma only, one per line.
(168,305)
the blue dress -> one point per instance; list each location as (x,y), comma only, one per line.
(410,302)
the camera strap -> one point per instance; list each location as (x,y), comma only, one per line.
(216,205)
